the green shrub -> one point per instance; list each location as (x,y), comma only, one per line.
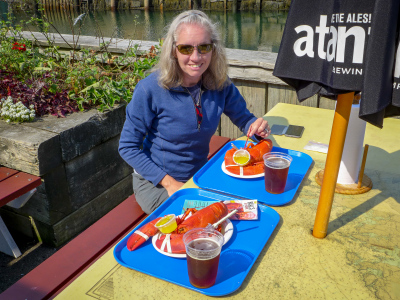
(88,78)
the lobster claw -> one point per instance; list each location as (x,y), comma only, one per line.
(142,235)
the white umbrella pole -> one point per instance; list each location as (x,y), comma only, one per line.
(332,165)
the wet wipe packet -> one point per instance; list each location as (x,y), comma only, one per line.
(247,209)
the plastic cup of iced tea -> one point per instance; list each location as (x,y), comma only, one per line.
(203,249)
(276,169)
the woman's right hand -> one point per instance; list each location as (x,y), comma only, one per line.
(170,184)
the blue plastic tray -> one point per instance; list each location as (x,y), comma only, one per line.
(211,177)
(237,257)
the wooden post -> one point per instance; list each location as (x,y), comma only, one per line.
(234,5)
(113,4)
(146,4)
(189,4)
(332,165)
(258,4)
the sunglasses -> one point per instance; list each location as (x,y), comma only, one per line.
(188,49)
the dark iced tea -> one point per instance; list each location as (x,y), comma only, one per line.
(203,270)
(276,170)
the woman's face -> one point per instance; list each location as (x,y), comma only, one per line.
(195,64)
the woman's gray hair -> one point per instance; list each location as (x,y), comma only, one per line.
(171,75)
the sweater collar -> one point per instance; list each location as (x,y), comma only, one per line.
(182,89)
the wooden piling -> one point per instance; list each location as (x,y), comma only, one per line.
(63,12)
(113,4)
(258,4)
(234,5)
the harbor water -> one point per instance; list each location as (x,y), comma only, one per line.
(248,30)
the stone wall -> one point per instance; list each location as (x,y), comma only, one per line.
(83,175)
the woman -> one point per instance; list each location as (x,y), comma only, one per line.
(175,111)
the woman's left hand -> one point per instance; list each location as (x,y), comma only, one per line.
(259,127)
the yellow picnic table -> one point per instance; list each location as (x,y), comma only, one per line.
(359,258)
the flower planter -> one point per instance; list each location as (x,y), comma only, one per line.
(77,158)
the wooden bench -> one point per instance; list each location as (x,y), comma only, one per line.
(216,143)
(54,274)
(15,188)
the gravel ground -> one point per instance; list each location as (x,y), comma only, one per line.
(33,253)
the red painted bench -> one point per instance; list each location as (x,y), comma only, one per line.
(14,186)
(54,274)
(216,143)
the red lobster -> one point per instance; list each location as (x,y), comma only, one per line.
(256,164)
(199,219)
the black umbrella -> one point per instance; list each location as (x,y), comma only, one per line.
(336,48)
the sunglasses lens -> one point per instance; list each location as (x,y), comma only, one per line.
(205,48)
(185,49)
(188,49)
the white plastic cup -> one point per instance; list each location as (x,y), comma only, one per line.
(276,169)
(203,249)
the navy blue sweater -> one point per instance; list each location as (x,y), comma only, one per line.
(167,119)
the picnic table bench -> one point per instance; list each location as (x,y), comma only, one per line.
(60,269)
(15,189)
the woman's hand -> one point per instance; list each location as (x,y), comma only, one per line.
(259,127)
(170,184)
